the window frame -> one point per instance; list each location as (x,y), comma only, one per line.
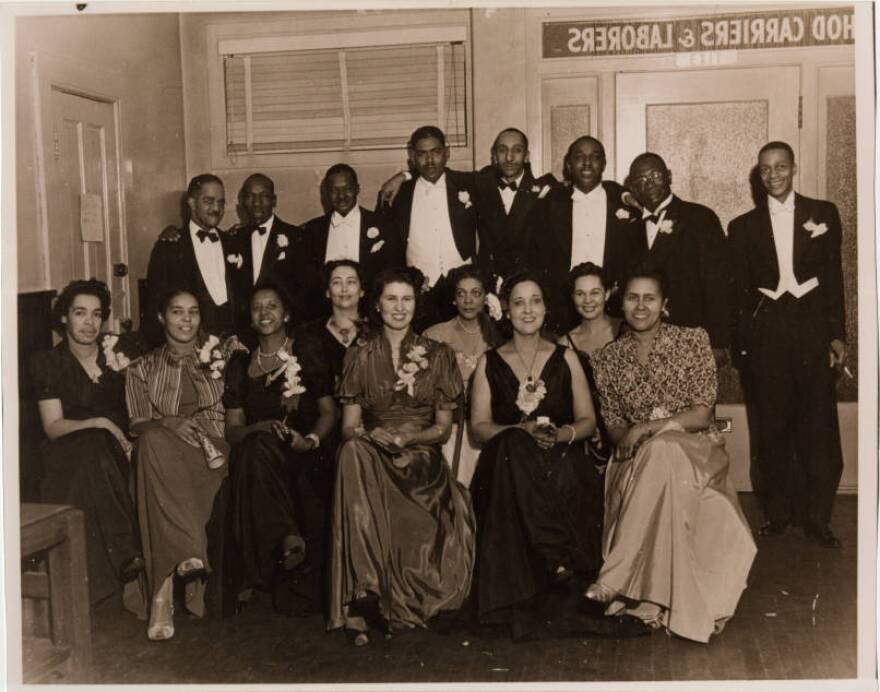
(225,39)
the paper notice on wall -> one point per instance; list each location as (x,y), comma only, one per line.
(91,217)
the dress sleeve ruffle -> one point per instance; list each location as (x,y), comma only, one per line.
(233,392)
(350,389)
(447,382)
(44,376)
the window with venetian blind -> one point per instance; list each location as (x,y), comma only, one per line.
(345,91)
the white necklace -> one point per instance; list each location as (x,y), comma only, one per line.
(465,329)
(269,356)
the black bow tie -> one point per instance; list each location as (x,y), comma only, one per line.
(202,234)
(503,184)
(262,230)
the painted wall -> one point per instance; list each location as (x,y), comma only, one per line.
(135,58)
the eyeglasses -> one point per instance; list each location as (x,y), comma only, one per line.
(655,177)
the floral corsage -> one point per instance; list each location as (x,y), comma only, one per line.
(292,382)
(121,350)
(530,394)
(414,362)
(215,354)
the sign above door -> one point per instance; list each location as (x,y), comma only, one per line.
(744,30)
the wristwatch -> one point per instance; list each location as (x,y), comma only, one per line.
(315,440)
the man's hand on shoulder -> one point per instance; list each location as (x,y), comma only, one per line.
(390,188)
(169,234)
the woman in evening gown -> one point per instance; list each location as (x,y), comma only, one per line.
(403,531)
(590,291)
(677,548)
(280,417)
(470,333)
(343,281)
(538,500)
(86,457)
(176,411)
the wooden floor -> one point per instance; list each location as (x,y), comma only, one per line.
(797,620)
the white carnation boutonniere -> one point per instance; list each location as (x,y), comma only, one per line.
(375,247)
(815,229)
(623,214)
(414,362)
(114,355)
(465,198)
(236,260)
(215,354)
(292,385)
(530,394)
(282,240)
(666,226)
(372,232)
(493,304)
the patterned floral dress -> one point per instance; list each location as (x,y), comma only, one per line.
(675,540)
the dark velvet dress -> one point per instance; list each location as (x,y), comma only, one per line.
(88,469)
(277,491)
(536,509)
(331,350)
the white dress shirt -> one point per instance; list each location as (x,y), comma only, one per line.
(651,227)
(258,245)
(212,263)
(782,221)
(508,195)
(588,219)
(431,245)
(343,239)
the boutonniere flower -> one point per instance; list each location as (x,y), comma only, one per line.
(372,232)
(282,240)
(115,357)
(666,226)
(292,382)
(414,362)
(377,246)
(530,394)
(815,229)
(465,198)
(215,354)
(236,260)
(623,214)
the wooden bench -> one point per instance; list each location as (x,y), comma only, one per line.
(58,532)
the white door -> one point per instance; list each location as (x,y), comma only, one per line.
(86,236)
(708,126)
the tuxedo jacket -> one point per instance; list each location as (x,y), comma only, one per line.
(283,264)
(692,257)
(816,253)
(174,265)
(504,237)
(378,247)
(462,212)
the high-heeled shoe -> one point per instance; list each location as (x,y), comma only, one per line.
(600,593)
(191,568)
(161,625)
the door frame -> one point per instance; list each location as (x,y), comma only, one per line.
(89,81)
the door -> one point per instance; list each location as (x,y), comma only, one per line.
(569,109)
(708,126)
(86,236)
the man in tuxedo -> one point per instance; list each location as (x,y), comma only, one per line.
(586,222)
(348,231)
(203,261)
(683,241)
(506,191)
(271,249)
(788,336)
(435,220)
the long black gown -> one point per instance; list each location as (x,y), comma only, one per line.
(88,469)
(277,491)
(536,509)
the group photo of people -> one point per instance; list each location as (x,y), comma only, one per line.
(481,402)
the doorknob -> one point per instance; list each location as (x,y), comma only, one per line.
(120,269)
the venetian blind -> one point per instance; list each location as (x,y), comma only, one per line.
(343,98)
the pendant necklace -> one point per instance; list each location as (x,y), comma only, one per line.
(530,380)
